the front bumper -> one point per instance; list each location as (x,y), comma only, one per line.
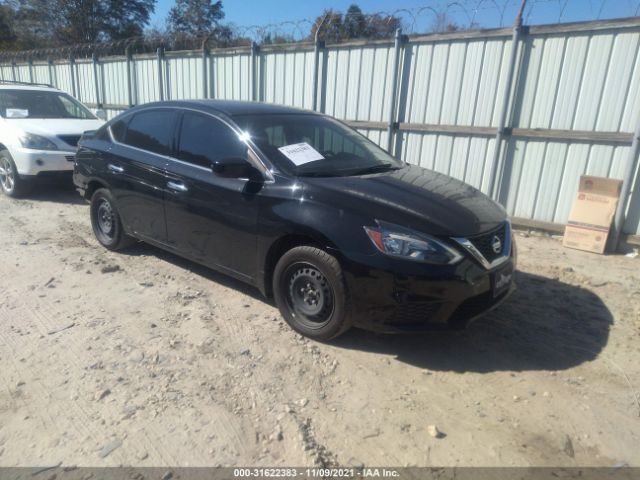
(390,295)
(32,163)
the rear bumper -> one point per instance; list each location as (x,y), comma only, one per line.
(413,297)
(32,163)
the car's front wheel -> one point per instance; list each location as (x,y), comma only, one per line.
(106,222)
(10,182)
(310,292)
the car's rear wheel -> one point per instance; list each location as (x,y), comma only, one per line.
(10,182)
(309,290)
(106,222)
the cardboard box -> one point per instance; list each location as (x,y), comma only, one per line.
(592,213)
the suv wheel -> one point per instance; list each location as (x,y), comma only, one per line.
(10,181)
(310,293)
(106,223)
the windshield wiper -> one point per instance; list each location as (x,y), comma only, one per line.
(319,174)
(384,167)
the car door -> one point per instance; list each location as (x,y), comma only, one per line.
(136,169)
(210,218)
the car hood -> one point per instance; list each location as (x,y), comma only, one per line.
(413,197)
(49,127)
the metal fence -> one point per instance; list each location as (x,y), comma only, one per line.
(559,100)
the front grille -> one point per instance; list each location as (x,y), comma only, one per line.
(484,243)
(70,158)
(412,314)
(70,139)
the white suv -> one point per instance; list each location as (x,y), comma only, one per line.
(39,131)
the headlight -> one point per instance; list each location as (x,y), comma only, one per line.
(36,142)
(400,242)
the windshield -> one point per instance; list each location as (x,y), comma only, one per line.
(41,104)
(312,145)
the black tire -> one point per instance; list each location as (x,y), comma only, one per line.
(310,292)
(10,182)
(106,223)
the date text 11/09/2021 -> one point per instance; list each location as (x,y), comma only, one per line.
(316,472)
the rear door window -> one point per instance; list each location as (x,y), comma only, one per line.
(204,139)
(152,131)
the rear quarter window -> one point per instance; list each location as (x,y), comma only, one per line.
(119,130)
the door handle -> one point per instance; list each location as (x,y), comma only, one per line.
(115,168)
(177,186)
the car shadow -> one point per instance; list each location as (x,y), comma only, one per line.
(145,249)
(545,325)
(56,191)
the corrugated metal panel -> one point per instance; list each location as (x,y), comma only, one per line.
(5,72)
(455,83)
(580,82)
(145,72)
(41,73)
(583,81)
(184,78)
(86,91)
(114,88)
(22,73)
(287,78)
(62,75)
(356,82)
(462,157)
(542,177)
(231,77)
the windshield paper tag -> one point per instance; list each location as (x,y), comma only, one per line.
(17,113)
(301,153)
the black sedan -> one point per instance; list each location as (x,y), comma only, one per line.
(303,207)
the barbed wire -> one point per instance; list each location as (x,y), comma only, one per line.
(334,26)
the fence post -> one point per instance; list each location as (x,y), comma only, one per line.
(494,191)
(632,162)
(254,58)
(13,70)
(212,77)
(392,124)
(318,46)
(127,53)
(160,53)
(96,81)
(205,55)
(30,63)
(50,70)
(72,62)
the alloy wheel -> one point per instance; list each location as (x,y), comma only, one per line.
(7,175)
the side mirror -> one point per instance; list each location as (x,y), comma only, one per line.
(234,167)
(101,114)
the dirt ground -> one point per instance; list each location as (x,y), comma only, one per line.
(141,358)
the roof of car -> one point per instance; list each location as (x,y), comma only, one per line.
(232,107)
(22,86)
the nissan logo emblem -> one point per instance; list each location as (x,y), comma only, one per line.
(496,244)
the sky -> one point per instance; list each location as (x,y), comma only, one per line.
(488,13)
